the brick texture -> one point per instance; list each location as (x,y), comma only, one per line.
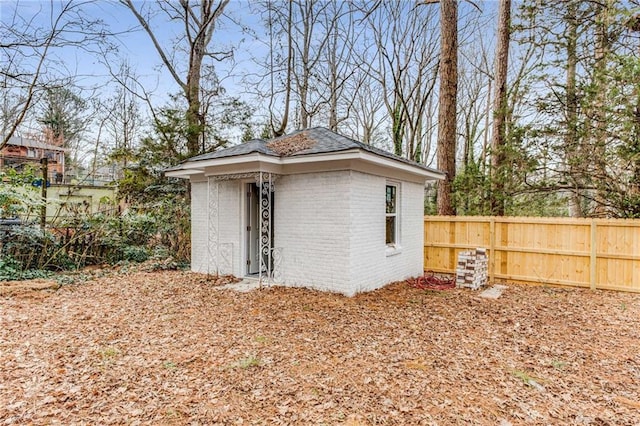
(330,227)
(472,269)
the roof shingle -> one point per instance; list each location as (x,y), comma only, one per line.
(324,141)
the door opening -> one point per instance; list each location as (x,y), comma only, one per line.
(252,240)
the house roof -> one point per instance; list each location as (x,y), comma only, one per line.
(299,144)
(30,143)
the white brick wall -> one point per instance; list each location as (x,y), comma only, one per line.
(367,232)
(312,227)
(410,262)
(229,224)
(371,266)
(199,226)
(330,227)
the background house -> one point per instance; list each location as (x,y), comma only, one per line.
(20,151)
(68,196)
(312,209)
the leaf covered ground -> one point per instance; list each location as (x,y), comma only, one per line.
(168,348)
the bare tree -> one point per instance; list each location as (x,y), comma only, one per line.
(122,119)
(199,20)
(405,65)
(367,116)
(274,78)
(27,42)
(339,62)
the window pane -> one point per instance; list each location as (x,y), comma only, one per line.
(391,199)
(391,230)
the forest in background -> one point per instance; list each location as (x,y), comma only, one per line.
(530,107)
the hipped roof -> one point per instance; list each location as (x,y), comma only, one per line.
(302,143)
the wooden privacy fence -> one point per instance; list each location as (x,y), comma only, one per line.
(595,253)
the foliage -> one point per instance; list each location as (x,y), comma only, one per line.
(63,113)
(156,225)
(585,99)
(18,198)
(11,270)
(470,188)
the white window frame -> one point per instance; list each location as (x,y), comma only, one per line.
(394,246)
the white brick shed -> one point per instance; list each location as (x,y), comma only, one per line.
(309,209)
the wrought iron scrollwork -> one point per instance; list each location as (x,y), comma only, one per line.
(276,275)
(265,189)
(220,256)
(226,258)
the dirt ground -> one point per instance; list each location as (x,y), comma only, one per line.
(168,348)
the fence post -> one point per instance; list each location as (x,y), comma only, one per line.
(45,176)
(452,240)
(594,255)
(492,249)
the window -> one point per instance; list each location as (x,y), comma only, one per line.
(392,214)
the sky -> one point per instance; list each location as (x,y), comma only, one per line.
(240,29)
(133,44)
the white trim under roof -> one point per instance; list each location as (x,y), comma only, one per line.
(196,167)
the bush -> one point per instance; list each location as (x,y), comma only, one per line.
(136,254)
(156,225)
(11,270)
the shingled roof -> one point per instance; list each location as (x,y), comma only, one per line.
(317,140)
(30,143)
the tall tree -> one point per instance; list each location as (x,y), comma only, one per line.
(446,151)
(598,113)
(63,113)
(571,108)
(199,21)
(122,120)
(338,62)
(498,139)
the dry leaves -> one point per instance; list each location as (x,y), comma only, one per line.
(166,348)
(20,287)
(290,145)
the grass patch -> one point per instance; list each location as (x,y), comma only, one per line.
(436,293)
(169,365)
(528,379)
(247,362)
(109,353)
(262,339)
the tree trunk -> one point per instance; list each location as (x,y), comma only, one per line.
(282,128)
(199,29)
(571,111)
(447,104)
(498,139)
(305,77)
(195,122)
(599,114)
(397,126)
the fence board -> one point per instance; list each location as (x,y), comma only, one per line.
(595,253)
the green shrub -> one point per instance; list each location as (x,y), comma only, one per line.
(11,270)
(135,254)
